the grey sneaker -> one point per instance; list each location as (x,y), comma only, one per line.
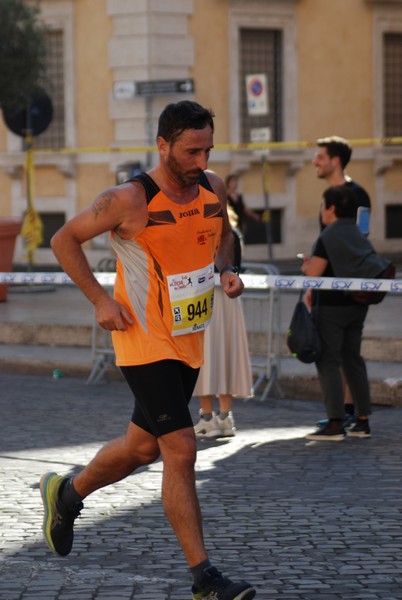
(226,425)
(216,587)
(207,429)
(58,520)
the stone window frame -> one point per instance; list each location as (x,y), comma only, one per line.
(58,16)
(257,14)
(273,15)
(387,18)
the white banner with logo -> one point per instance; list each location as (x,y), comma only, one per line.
(251,281)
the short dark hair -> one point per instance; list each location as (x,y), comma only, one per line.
(344,199)
(336,146)
(176,118)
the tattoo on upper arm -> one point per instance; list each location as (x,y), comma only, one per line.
(102,203)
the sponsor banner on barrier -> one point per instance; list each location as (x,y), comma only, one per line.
(106,279)
(251,281)
(265,282)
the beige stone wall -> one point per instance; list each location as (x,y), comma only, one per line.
(5,181)
(393,179)
(93,29)
(209,29)
(335,85)
(335,68)
(92,180)
(5,187)
(48,183)
(332,85)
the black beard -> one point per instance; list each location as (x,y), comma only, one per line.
(186,178)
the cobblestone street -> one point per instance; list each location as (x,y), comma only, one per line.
(300,520)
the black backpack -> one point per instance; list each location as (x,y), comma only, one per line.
(363,297)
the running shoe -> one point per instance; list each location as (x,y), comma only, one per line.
(58,520)
(216,587)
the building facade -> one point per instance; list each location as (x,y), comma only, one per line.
(278,74)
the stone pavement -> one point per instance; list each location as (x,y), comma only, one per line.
(301,520)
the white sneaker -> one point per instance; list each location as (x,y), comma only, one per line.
(226,425)
(207,429)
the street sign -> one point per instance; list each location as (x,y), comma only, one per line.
(164,87)
(126,90)
(259,135)
(257,94)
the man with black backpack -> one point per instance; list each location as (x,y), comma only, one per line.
(341,251)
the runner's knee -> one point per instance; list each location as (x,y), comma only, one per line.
(179,448)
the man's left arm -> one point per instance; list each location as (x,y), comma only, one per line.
(231,283)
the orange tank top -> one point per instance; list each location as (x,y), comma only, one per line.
(165,277)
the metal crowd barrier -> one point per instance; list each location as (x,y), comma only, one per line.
(261,289)
(102,350)
(102,353)
(262,313)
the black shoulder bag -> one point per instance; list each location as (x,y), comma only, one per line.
(303,340)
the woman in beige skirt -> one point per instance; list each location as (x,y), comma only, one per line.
(226,372)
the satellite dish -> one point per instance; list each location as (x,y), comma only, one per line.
(36,117)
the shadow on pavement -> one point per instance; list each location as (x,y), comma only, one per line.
(301,520)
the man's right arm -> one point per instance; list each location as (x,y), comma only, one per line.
(112,209)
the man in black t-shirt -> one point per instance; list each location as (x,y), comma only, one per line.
(330,161)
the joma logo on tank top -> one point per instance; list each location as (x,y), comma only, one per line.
(189,213)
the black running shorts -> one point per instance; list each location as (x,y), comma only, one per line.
(162,392)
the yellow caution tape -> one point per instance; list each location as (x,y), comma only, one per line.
(383,141)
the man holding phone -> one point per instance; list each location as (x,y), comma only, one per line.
(330,161)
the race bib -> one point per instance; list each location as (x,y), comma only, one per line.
(191,298)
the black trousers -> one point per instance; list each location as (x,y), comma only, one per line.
(341,330)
